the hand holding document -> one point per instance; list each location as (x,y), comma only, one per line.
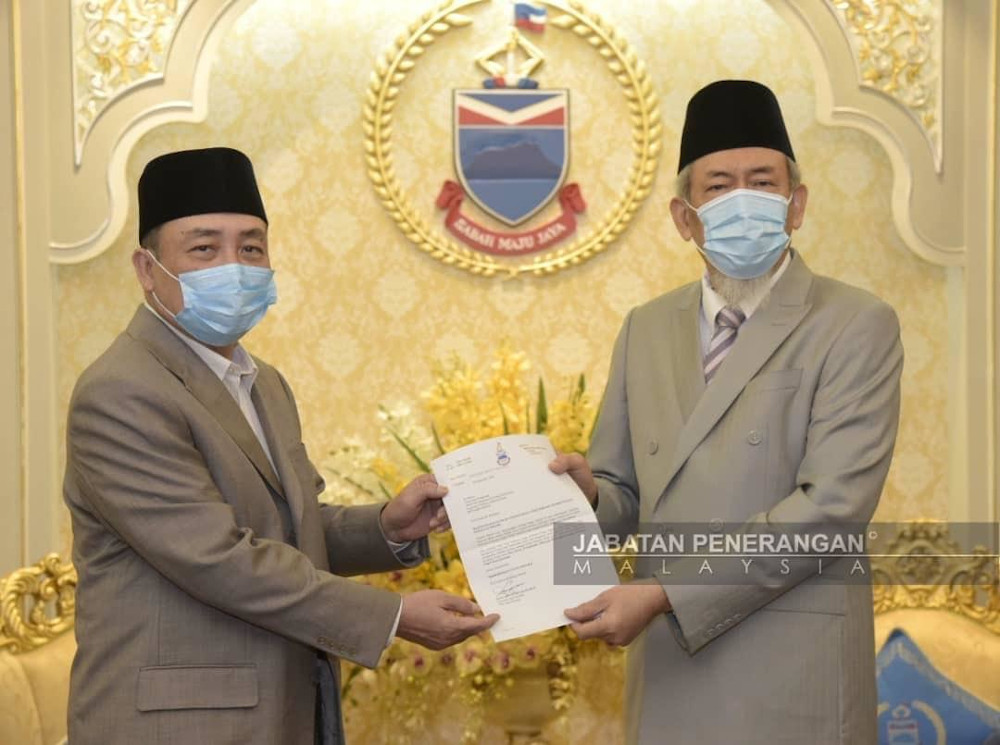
(503,503)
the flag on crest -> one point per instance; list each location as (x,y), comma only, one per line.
(530,17)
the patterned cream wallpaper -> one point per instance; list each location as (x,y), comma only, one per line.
(362,313)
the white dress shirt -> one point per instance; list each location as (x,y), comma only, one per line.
(238,375)
(712,303)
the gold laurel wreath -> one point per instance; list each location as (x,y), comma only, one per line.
(391,71)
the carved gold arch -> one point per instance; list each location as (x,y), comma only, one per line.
(916,141)
(914,133)
(170,87)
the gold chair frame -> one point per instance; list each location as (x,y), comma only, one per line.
(37,604)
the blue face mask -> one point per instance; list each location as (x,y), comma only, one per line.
(223,302)
(744,232)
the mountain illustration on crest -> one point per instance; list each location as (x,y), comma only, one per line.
(523,160)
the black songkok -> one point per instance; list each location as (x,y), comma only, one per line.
(197,182)
(728,114)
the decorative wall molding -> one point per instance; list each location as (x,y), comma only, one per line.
(869,79)
(177,94)
(897,44)
(117,46)
(923,193)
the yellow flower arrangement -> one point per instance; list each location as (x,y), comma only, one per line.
(463,405)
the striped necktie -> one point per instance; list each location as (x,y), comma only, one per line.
(727,323)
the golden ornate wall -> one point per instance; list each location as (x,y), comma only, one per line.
(361,312)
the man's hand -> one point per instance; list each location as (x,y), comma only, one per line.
(619,614)
(415,511)
(579,470)
(437,619)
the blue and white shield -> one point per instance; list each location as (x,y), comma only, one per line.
(511,149)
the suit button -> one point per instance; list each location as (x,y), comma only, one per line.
(653,447)
(754,437)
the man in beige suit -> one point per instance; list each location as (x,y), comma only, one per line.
(209,610)
(761,396)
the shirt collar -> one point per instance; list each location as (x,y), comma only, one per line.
(712,302)
(241,364)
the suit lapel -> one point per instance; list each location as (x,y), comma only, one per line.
(267,410)
(688,378)
(203,384)
(273,408)
(758,339)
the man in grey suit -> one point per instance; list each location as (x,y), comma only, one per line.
(762,396)
(209,610)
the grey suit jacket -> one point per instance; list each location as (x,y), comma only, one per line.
(797,426)
(207,579)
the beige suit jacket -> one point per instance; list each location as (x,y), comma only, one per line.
(207,578)
(797,426)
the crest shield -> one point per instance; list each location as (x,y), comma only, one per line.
(511,148)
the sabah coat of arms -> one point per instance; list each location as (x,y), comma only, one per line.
(511,143)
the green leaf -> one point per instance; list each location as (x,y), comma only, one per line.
(581,387)
(385,492)
(351,481)
(421,463)
(542,417)
(506,424)
(437,439)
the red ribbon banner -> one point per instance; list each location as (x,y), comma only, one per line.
(490,241)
